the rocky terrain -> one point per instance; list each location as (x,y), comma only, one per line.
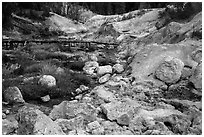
(143,76)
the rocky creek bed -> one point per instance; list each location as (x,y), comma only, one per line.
(149,83)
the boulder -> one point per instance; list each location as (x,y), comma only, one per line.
(145,119)
(78,132)
(93,125)
(95,128)
(112,128)
(178,124)
(90,67)
(71,124)
(104,78)
(47,80)
(122,112)
(196,78)
(69,110)
(170,70)
(34,122)
(104,94)
(104,70)
(118,68)
(13,95)
(9,126)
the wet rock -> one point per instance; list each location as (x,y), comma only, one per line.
(33,122)
(103,93)
(69,110)
(170,70)
(118,68)
(120,111)
(90,67)
(8,126)
(71,124)
(196,78)
(13,95)
(104,78)
(104,70)
(47,80)
(45,98)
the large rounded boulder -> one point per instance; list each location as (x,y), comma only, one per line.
(170,70)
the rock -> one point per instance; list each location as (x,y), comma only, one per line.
(78,132)
(33,122)
(104,78)
(93,57)
(86,99)
(69,110)
(120,111)
(71,124)
(145,119)
(45,98)
(90,67)
(109,126)
(103,93)
(78,97)
(118,68)
(186,73)
(7,112)
(177,123)
(170,70)
(78,91)
(83,88)
(196,78)
(183,90)
(3,115)
(47,80)
(124,119)
(60,71)
(13,95)
(112,128)
(98,131)
(93,126)
(104,70)
(8,126)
